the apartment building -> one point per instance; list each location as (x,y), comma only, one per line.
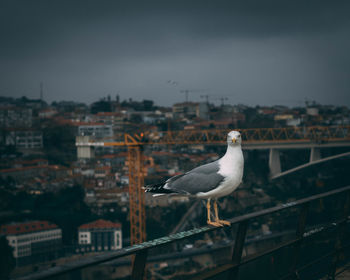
(24,138)
(100,235)
(33,241)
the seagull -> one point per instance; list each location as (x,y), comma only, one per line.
(209,181)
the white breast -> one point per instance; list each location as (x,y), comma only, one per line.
(231,168)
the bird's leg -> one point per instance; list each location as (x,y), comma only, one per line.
(221,222)
(209,222)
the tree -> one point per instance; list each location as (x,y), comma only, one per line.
(147,105)
(65,208)
(7,261)
(100,106)
(59,143)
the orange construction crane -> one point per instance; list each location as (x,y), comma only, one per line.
(135,142)
(136,195)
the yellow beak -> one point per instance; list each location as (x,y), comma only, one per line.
(234,140)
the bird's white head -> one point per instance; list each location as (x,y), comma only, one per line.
(234,138)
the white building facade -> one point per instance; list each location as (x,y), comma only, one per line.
(100,235)
(24,138)
(96,130)
(33,241)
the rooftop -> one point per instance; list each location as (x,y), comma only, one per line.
(100,224)
(26,227)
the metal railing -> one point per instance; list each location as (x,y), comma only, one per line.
(231,269)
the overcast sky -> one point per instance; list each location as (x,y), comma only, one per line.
(253,52)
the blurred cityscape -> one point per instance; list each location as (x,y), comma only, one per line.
(55,207)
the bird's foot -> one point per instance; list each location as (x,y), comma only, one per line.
(215,224)
(223,222)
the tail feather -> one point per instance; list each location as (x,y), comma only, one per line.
(158,194)
(157,188)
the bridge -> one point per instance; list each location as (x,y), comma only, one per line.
(313,138)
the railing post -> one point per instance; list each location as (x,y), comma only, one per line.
(340,236)
(238,248)
(299,235)
(77,274)
(139,264)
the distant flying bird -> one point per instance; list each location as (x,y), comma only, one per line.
(174,83)
(209,181)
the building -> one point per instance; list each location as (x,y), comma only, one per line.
(202,111)
(110,118)
(102,171)
(12,116)
(24,138)
(100,235)
(47,113)
(34,241)
(185,109)
(312,111)
(191,110)
(98,130)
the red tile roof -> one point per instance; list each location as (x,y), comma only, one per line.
(21,228)
(71,122)
(10,170)
(43,168)
(90,124)
(100,224)
(47,110)
(20,129)
(109,114)
(103,167)
(31,161)
(109,156)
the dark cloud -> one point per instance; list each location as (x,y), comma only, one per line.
(255,51)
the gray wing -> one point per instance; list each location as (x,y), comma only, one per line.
(201,179)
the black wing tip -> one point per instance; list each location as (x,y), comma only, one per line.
(157,188)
